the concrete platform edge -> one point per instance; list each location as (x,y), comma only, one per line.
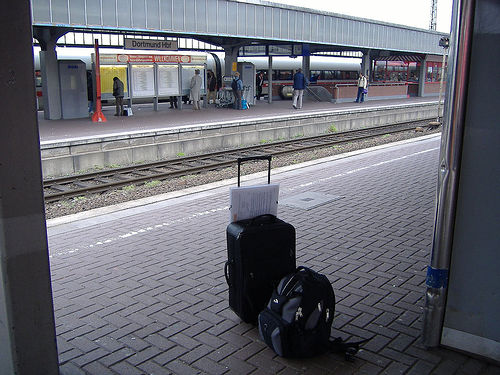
(51,223)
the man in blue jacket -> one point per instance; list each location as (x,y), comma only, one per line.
(237,86)
(299,85)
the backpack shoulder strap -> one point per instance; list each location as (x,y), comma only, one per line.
(350,349)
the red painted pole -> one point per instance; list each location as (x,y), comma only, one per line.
(98,116)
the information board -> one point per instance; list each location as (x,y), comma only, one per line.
(188,73)
(168,80)
(143,81)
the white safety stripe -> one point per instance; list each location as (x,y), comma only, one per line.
(325,179)
(139,231)
(225,208)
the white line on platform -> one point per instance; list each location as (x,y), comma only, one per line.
(214,185)
(96,245)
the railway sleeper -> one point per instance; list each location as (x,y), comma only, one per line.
(104,180)
(61,188)
(82,184)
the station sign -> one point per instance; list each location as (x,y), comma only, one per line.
(159,45)
(123,58)
(274,50)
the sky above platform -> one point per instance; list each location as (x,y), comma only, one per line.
(415,13)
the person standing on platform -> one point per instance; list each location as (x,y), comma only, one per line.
(362,82)
(299,85)
(118,93)
(259,82)
(237,86)
(173,102)
(195,87)
(90,93)
(212,87)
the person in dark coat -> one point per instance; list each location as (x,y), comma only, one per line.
(259,81)
(237,86)
(212,87)
(118,93)
(299,85)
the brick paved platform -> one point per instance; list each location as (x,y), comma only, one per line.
(141,290)
(145,119)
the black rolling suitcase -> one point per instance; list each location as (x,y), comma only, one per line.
(260,252)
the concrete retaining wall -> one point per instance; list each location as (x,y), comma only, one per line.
(80,155)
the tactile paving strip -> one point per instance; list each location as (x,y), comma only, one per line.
(309,200)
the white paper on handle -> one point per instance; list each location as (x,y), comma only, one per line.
(247,202)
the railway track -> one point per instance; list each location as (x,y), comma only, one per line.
(104,180)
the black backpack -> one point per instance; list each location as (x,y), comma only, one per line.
(234,84)
(298,318)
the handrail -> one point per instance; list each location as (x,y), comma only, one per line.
(372,84)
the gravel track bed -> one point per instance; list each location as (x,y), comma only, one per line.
(129,193)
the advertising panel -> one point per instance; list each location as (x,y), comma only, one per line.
(108,72)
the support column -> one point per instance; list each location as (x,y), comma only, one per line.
(231,56)
(51,91)
(306,66)
(366,64)
(270,80)
(27,329)
(421,77)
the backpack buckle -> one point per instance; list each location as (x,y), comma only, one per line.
(277,302)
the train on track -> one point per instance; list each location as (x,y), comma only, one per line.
(326,71)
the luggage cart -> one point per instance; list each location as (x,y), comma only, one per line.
(225,98)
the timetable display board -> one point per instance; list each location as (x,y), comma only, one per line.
(168,80)
(143,80)
(188,73)
(108,72)
(150,75)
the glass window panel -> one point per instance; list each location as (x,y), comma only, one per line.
(108,12)
(212,17)
(201,13)
(242,19)
(70,38)
(178,18)
(268,21)
(222,16)
(307,26)
(413,72)
(41,10)
(232,18)
(124,19)
(284,24)
(166,14)
(139,13)
(77,11)
(60,12)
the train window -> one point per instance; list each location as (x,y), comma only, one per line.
(38,78)
(351,75)
(397,71)
(315,76)
(380,70)
(433,73)
(328,74)
(413,68)
(283,75)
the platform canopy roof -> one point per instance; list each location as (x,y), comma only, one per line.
(233,23)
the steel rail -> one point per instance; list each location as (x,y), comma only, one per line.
(101,181)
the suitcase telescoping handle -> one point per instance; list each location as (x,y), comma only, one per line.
(259,157)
